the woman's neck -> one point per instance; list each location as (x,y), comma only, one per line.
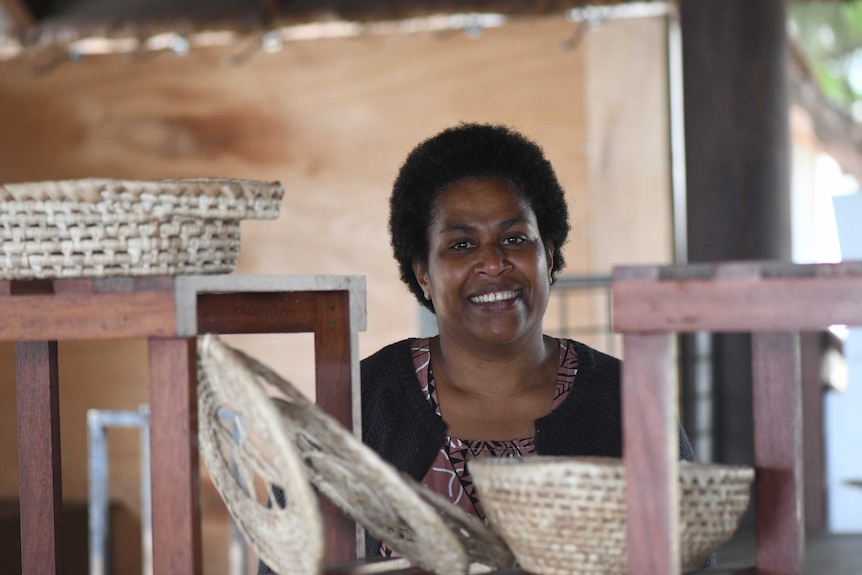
(498,370)
(498,397)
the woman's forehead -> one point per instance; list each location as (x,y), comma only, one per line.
(478,195)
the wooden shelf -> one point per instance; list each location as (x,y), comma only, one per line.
(169,312)
(773,301)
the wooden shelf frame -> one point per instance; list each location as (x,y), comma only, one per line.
(169,312)
(771,300)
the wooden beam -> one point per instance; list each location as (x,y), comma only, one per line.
(736,297)
(737,132)
(365,10)
(86,315)
(254,18)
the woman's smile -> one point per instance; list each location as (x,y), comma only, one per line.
(495,296)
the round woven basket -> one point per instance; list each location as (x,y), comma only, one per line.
(108,227)
(567,515)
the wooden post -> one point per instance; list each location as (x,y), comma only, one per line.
(333,394)
(651,453)
(174,456)
(737,171)
(39,473)
(777,398)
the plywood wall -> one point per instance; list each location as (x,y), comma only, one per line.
(332,120)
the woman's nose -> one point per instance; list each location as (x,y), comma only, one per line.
(492,259)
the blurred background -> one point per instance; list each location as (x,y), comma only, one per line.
(688,131)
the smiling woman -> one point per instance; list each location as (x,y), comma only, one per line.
(477,222)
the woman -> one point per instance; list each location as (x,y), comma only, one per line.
(477,223)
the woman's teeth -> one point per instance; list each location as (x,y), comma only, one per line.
(494,296)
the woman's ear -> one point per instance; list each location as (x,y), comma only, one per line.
(549,248)
(420,270)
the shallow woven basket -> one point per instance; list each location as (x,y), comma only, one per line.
(108,227)
(567,515)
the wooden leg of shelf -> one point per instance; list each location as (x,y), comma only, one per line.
(174,455)
(332,356)
(778,453)
(333,390)
(39,457)
(651,452)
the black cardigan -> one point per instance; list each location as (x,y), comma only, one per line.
(402,427)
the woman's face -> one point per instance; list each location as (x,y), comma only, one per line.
(488,271)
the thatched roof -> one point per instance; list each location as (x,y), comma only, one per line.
(57,23)
(35,18)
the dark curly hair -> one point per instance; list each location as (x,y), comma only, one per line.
(471,150)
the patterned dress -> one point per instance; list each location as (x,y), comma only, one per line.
(449,475)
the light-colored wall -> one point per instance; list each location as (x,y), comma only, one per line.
(843,428)
(628,216)
(332,120)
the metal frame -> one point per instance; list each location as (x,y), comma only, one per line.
(98,420)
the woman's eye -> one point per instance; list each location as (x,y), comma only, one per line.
(461,245)
(514,240)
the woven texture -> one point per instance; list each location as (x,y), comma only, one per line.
(107,227)
(427,530)
(246,454)
(567,515)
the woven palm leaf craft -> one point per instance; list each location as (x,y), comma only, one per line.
(427,530)
(567,515)
(246,453)
(99,227)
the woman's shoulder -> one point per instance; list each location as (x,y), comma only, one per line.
(392,398)
(387,354)
(390,365)
(593,362)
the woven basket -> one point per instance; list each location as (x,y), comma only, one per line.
(426,530)
(106,227)
(567,515)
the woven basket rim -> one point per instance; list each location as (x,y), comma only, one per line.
(90,190)
(601,463)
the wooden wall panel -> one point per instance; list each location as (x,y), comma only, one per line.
(629,211)
(332,120)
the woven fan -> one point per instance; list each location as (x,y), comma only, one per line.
(247,453)
(427,530)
